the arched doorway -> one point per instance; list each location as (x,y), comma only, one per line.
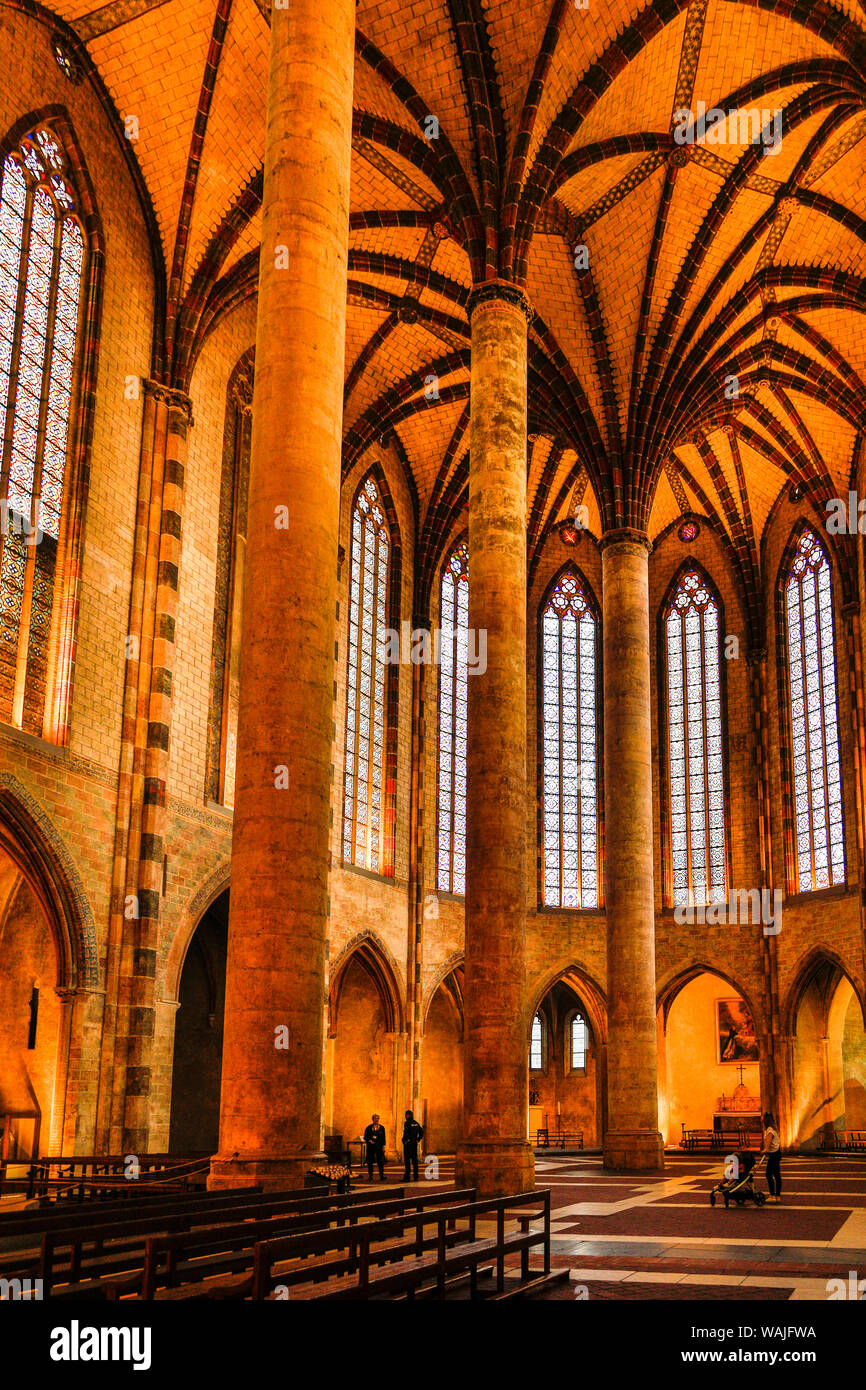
(30,1018)
(566,1043)
(709,1062)
(827,1083)
(50,1008)
(198,1036)
(442,1064)
(364,1026)
(853,1058)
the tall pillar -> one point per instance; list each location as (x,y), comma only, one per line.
(494,1155)
(632,1139)
(140,1092)
(271,1108)
(771,1076)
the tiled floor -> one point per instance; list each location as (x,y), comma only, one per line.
(658,1237)
(628,1236)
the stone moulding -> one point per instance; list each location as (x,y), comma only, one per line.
(28,819)
(499,291)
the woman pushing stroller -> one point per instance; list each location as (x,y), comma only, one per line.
(771,1145)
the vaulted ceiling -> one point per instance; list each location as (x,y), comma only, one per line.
(705,351)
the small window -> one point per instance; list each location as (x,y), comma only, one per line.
(578,1043)
(536,1045)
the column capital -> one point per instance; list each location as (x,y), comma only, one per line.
(175,400)
(756,656)
(852,609)
(628,535)
(500,291)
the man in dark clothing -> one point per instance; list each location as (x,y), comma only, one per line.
(374,1138)
(413,1133)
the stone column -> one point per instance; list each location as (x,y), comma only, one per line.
(141,983)
(494,1155)
(632,1139)
(271,1109)
(771,1078)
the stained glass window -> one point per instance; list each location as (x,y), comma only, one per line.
(569,751)
(365,693)
(578,1042)
(536,1045)
(694,710)
(820,849)
(453,683)
(41,268)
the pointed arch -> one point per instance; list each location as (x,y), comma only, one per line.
(32,843)
(813,814)
(372,685)
(587,990)
(570,740)
(693,780)
(824,968)
(214,886)
(367,951)
(451,975)
(676,980)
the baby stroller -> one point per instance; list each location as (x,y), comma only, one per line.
(741,1189)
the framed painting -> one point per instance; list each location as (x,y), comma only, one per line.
(735,1032)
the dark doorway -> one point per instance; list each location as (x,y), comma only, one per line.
(198,1036)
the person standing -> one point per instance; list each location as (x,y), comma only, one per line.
(413,1133)
(772,1147)
(374,1138)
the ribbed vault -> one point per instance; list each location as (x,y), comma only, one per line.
(698,342)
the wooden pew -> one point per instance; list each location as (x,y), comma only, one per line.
(421,1269)
(695,1139)
(175,1262)
(561,1139)
(66,1262)
(100,1178)
(35,1221)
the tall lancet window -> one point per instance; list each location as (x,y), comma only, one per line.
(818,826)
(453,684)
(536,1045)
(569,772)
(42,260)
(695,753)
(363,841)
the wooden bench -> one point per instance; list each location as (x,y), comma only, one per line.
(719,1140)
(561,1139)
(695,1139)
(89,1252)
(851,1140)
(457,1252)
(109,1178)
(173,1263)
(22,1231)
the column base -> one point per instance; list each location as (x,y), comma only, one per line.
(495,1167)
(274,1174)
(634,1150)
